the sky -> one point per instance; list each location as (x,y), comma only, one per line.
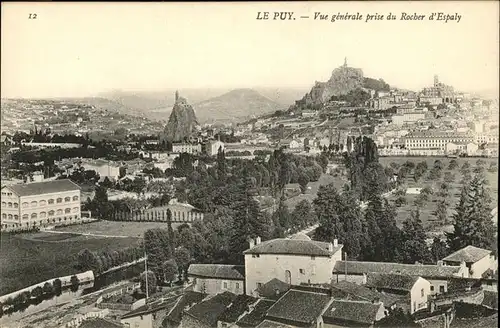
(82,49)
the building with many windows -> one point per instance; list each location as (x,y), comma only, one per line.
(294,261)
(435,139)
(40,204)
(186,148)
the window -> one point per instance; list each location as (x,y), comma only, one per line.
(225,284)
(4,204)
(42,203)
(59,200)
(67,210)
(51,213)
(302,271)
(59,212)
(34,203)
(16,217)
(25,204)
(67,199)
(255,255)
(75,209)
(75,198)
(237,285)
(4,216)
(51,201)
(34,215)
(43,215)
(422,292)
(16,205)
(432,288)
(9,204)
(441,288)
(25,217)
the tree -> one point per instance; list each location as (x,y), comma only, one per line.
(281,217)
(107,183)
(414,246)
(449,177)
(303,181)
(48,289)
(453,164)
(158,248)
(473,224)
(439,249)
(302,215)
(170,270)
(441,212)
(151,282)
(88,260)
(57,286)
(75,282)
(401,200)
(182,258)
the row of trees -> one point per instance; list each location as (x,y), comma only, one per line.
(99,262)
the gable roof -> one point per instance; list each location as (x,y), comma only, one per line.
(189,298)
(209,310)
(99,323)
(239,305)
(273,289)
(469,254)
(257,315)
(490,299)
(352,311)
(364,293)
(293,247)
(272,324)
(421,270)
(46,187)
(299,306)
(400,282)
(153,307)
(217,271)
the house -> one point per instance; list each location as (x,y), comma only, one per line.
(186,148)
(416,288)
(290,144)
(217,278)
(273,289)
(477,260)
(212,147)
(256,314)
(240,306)
(438,275)
(40,204)
(149,315)
(343,313)
(174,316)
(206,313)
(298,308)
(352,291)
(294,261)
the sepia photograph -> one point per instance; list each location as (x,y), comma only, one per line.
(318,164)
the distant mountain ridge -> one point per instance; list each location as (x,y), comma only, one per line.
(236,105)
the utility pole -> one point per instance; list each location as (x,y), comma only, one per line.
(146,269)
(345,266)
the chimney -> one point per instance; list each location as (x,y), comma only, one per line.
(440,263)
(252,243)
(257,240)
(330,247)
(335,242)
(364,279)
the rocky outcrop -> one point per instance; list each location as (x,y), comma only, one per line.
(182,122)
(343,80)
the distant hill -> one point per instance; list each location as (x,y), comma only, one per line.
(236,105)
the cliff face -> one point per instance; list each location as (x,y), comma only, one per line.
(182,122)
(343,80)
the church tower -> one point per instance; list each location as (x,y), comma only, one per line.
(436,80)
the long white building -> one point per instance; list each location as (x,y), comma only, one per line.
(40,204)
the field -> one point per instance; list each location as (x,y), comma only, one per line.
(31,258)
(429,207)
(116,228)
(310,194)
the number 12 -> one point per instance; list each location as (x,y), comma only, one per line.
(32,16)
